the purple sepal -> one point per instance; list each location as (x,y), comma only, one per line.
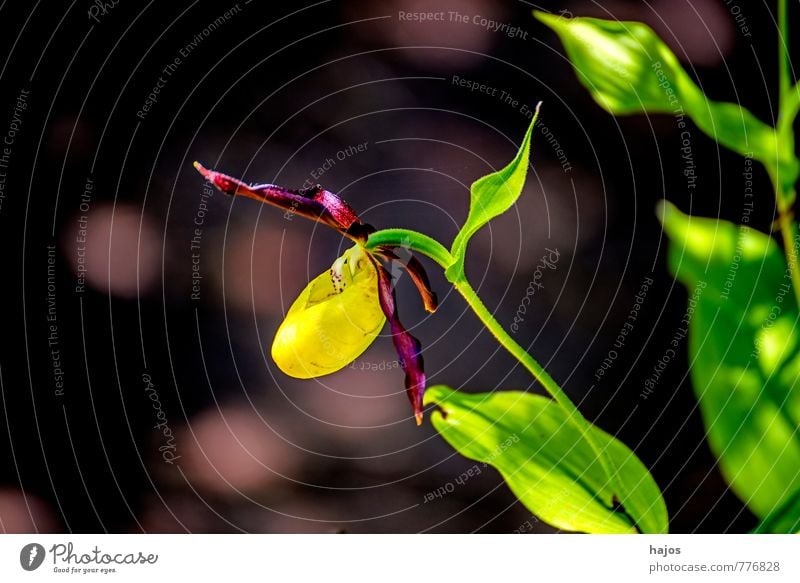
(314,203)
(409,349)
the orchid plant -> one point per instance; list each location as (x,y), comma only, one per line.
(564,469)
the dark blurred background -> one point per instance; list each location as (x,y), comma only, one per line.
(138,397)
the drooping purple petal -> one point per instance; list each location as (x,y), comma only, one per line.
(408,348)
(314,203)
(417,272)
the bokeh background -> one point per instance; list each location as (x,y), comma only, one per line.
(137,396)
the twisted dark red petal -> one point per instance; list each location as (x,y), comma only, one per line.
(420,278)
(418,275)
(314,203)
(408,348)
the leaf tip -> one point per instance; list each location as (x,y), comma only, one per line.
(534,119)
(664,209)
(546,18)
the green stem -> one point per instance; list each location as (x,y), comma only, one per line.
(412,240)
(789,110)
(788,106)
(436,251)
(788,228)
(540,374)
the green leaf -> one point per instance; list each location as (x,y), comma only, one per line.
(546,461)
(628,69)
(743,350)
(784,520)
(490,197)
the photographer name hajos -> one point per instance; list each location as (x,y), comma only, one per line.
(64,553)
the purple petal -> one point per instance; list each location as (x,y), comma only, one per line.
(408,348)
(418,275)
(314,203)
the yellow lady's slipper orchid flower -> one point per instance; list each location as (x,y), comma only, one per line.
(341,312)
(333,321)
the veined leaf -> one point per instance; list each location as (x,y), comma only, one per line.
(547,463)
(628,69)
(743,351)
(490,197)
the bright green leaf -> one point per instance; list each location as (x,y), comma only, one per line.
(784,520)
(743,352)
(490,197)
(628,69)
(546,461)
